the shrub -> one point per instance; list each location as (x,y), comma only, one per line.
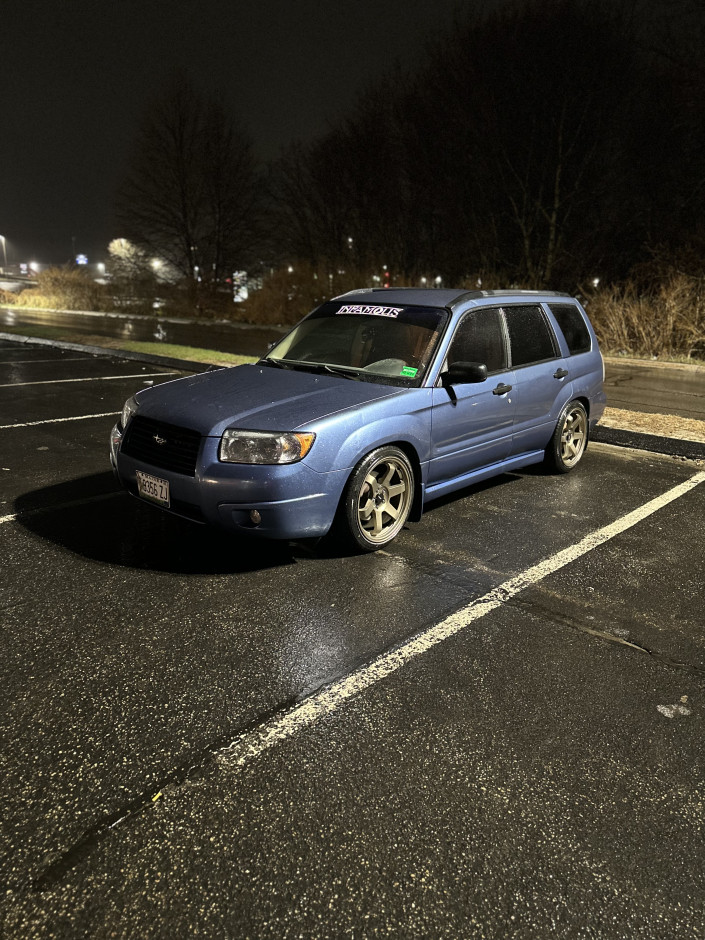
(287,295)
(665,320)
(65,289)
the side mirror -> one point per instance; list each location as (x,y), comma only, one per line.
(465,373)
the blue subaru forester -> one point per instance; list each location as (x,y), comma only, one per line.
(377,402)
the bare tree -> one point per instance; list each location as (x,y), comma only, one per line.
(521,146)
(189,195)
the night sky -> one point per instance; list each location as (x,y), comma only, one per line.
(76,77)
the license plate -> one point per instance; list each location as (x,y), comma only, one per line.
(153,488)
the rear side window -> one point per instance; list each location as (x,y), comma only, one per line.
(530,336)
(573,327)
(480,338)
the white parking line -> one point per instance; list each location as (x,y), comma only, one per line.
(96,378)
(252,743)
(34,424)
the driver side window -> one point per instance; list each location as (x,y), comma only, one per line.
(480,338)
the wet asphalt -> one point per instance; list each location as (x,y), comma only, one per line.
(651,387)
(222,335)
(536,773)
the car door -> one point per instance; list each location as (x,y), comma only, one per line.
(542,380)
(472,423)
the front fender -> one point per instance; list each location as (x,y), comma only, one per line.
(343,440)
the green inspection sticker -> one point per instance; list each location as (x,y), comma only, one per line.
(408,372)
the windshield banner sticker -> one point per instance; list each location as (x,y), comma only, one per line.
(370,311)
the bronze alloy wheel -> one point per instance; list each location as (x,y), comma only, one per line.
(574,435)
(379,496)
(569,439)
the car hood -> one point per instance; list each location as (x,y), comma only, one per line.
(259,398)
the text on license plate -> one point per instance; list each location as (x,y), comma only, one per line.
(153,488)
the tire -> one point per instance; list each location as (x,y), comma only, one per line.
(377,499)
(570,439)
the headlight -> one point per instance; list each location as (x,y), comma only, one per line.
(128,409)
(264,447)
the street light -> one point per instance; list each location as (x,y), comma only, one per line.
(4,252)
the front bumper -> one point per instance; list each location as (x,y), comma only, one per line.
(292,501)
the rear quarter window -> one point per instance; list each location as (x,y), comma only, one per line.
(573,327)
(530,337)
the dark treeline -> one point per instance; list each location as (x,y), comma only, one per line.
(546,144)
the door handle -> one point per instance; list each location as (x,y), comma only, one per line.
(501,389)
(560,373)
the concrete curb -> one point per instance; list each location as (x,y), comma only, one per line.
(691,450)
(695,367)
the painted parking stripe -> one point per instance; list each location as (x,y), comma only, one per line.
(34,424)
(97,378)
(254,742)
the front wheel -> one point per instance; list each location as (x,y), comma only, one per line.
(378,498)
(569,439)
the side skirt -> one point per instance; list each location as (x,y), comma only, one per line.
(484,473)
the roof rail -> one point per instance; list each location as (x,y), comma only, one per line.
(516,293)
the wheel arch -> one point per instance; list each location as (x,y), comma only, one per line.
(412,454)
(584,401)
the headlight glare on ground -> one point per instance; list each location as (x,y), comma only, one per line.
(264,447)
(128,409)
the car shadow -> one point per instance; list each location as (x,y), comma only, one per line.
(471,490)
(93,517)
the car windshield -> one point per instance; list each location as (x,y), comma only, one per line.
(376,343)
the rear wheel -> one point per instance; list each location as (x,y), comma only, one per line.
(378,498)
(569,439)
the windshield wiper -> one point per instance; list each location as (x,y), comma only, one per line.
(277,363)
(301,365)
(341,370)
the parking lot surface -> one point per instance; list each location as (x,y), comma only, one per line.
(492,729)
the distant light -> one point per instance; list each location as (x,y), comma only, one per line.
(424,281)
(34,266)
(595,281)
(101,267)
(156,264)
(439,280)
(290,269)
(81,259)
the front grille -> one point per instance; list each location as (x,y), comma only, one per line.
(162,445)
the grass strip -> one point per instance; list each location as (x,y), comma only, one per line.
(174,351)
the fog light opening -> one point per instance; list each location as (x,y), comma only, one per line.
(255,517)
